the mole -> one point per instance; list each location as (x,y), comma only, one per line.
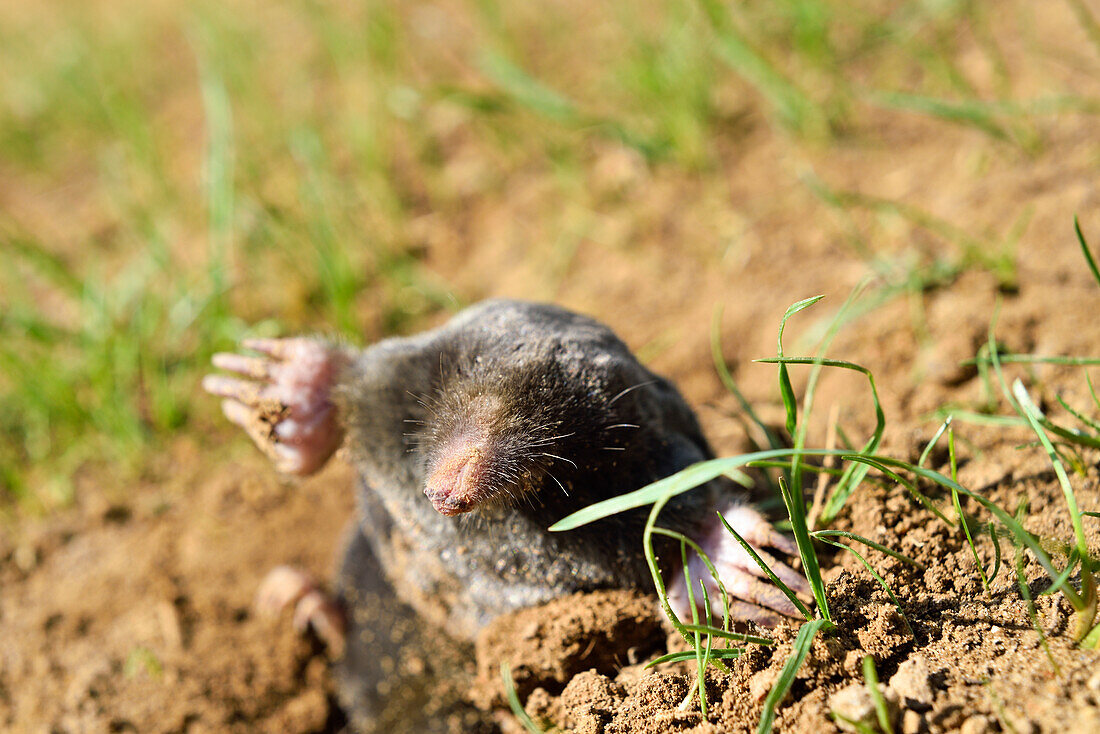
(469,441)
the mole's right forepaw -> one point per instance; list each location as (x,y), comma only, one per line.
(284,406)
(753,597)
(313,608)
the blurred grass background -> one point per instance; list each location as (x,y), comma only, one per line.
(174,176)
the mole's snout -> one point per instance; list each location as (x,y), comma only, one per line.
(458,480)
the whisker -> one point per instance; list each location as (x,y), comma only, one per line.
(630,389)
(563,489)
(545,442)
(560,458)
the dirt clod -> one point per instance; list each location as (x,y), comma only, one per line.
(911,683)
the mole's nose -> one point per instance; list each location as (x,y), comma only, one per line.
(457,483)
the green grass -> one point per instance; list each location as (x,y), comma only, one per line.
(882,713)
(513,701)
(701,637)
(202,176)
(790,463)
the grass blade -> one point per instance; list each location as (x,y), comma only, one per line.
(513,700)
(792,104)
(870,677)
(528,91)
(682,481)
(975,114)
(1085,249)
(786,391)
(911,487)
(1071,564)
(1022,535)
(722,653)
(853,474)
(932,442)
(1034,359)
(1025,592)
(1032,413)
(658,580)
(959,511)
(1092,639)
(1027,408)
(822,534)
(801,649)
(996,551)
(218,180)
(1087,21)
(1079,416)
(796,510)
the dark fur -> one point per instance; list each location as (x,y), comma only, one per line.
(583,421)
(573,418)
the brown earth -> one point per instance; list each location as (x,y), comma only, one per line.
(132,611)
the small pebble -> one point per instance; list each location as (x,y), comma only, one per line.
(911,683)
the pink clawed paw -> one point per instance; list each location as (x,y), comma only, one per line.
(283,402)
(753,596)
(314,610)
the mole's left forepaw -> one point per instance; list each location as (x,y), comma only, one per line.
(755,598)
(314,609)
(284,403)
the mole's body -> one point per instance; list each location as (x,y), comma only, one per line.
(554,413)
(470,440)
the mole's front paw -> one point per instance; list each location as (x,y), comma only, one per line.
(284,406)
(313,608)
(755,598)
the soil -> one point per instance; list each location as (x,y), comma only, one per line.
(132,610)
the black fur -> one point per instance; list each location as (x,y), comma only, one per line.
(582,419)
(573,417)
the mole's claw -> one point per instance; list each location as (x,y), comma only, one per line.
(325,616)
(750,588)
(288,460)
(243,391)
(783,572)
(257,368)
(283,586)
(793,579)
(313,608)
(278,348)
(756,530)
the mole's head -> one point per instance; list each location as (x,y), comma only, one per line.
(501,439)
